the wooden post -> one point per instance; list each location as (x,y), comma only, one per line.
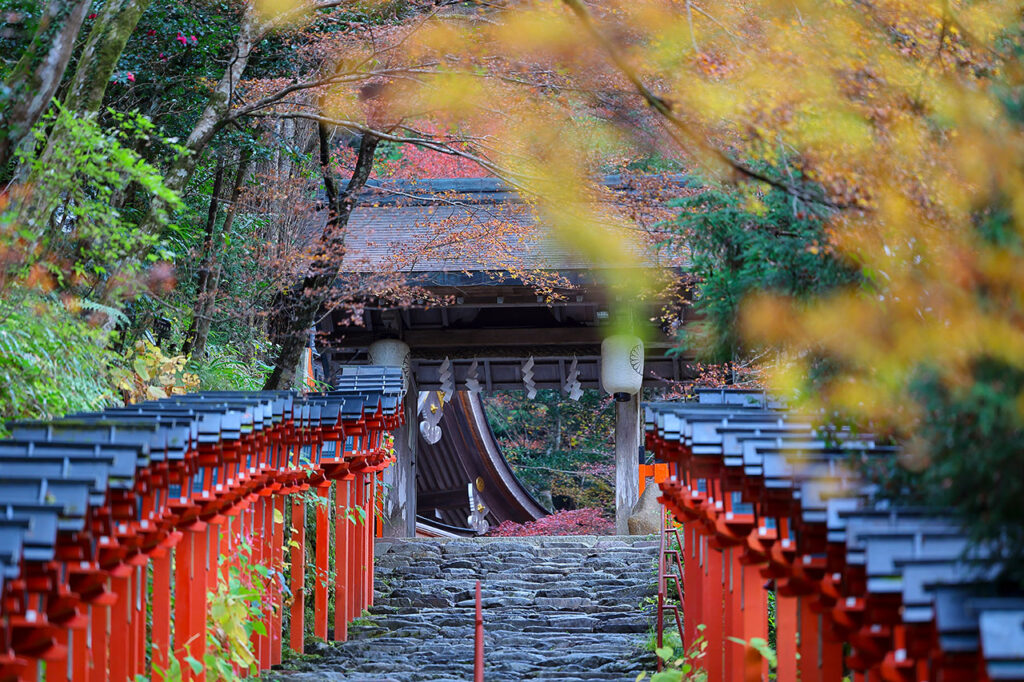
(161,612)
(277,616)
(754,610)
(785,636)
(297,640)
(119,642)
(321,575)
(400,503)
(713,584)
(355,550)
(182,599)
(98,646)
(810,650)
(57,669)
(693,588)
(627,461)
(342,554)
(733,614)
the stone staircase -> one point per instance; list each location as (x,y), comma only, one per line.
(555,608)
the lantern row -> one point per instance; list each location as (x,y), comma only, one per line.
(103,513)
(764,494)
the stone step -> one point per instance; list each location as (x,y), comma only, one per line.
(557,608)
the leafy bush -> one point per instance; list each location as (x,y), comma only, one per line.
(66,219)
(575,522)
(226,369)
(148,374)
(679,664)
(561,450)
(52,362)
(742,244)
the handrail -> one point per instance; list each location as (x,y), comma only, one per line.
(478,659)
(663,577)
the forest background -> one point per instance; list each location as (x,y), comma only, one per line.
(852,237)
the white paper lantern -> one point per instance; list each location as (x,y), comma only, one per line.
(622,366)
(392,353)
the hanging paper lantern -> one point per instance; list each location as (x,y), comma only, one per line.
(392,353)
(622,366)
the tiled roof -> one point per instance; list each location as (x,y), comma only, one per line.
(459,225)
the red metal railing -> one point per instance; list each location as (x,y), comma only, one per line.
(665,574)
(182,521)
(478,658)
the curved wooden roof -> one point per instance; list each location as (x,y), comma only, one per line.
(466,452)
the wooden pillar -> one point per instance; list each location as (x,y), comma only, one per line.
(342,554)
(400,502)
(810,642)
(785,636)
(277,615)
(161,612)
(119,642)
(714,581)
(98,643)
(693,588)
(322,564)
(627,461)
(297,639)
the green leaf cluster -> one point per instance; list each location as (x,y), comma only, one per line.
(51,361)
(739,244)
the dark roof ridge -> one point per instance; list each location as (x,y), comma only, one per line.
(475,190)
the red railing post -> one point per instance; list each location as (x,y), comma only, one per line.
(297,639)
(322,566)
(141,604)
(359,551)
(692,582)
(80,653)
(277,615)
(197,614)
(786,636)
(733,652)
(97,631)
(367,533)
(120,644)
(57,669)
(478,659)
(754,617)
(341,556)
(266,537)
(810,670)
(352,558)
(161,611)
(661,585)
(713,583)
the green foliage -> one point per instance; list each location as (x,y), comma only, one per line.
(51,361)
(225,368)
(679,664)
(234,614)
(557,446)
(740,245)
(966,456)
(69,222)
(762,647)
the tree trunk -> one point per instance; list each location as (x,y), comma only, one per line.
(34,80)
(206,304)
(115,23)
(296,309)
(206,264)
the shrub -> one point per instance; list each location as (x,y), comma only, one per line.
(586,521)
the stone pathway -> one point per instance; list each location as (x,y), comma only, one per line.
(555,608)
